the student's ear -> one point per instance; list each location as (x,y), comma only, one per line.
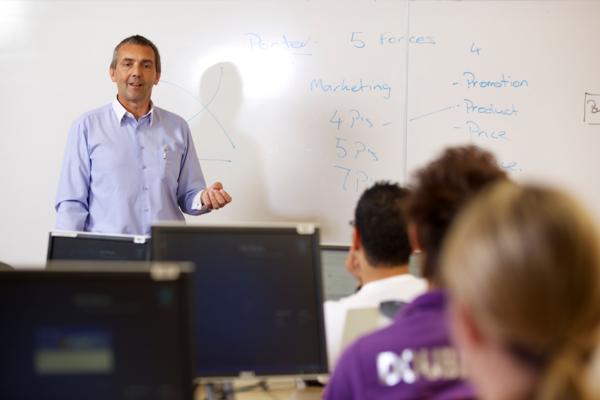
(465,330)
(352,260)
(413,237)
(356,240)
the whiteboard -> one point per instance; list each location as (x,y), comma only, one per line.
(520,78)
(290,109)
(298,105)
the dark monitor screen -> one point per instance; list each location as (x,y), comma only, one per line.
(257,298)
(94,335)
(94,246)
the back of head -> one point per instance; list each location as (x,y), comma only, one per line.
(379,219)
(441,189)
(526,262)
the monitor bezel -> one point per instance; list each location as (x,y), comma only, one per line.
(180,272)
(335,247)
(304,229)
(142,240)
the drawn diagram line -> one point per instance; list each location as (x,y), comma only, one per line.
(205,106)
(215,159)
(434,112)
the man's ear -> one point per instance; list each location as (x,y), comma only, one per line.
(157,78)
(111,72)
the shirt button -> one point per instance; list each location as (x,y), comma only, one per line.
(145,187)
(142,147)
(143,167)
(145,209)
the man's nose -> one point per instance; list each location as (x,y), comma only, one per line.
(137,70)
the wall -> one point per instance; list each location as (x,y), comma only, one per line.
(297,106)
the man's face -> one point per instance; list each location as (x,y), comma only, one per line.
(135,73)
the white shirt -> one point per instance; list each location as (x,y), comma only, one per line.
(403,287)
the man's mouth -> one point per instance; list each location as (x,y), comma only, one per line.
(136,84)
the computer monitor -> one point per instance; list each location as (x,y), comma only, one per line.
(337,281)
(257,297)
(114,334)
(64,245)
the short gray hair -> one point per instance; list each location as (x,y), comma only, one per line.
(140,41)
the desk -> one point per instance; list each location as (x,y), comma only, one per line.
(274,389)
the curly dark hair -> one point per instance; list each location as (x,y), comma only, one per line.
(439,192)
(380,221)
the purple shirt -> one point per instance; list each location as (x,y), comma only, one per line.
(120,174)
(410,359)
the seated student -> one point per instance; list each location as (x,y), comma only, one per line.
(413,357)
(378,258)
(522,266)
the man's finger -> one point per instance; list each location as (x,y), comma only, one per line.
(206,199)
(213,199)
(225,195)
(219,197)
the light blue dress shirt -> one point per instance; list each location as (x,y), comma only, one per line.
(120,174)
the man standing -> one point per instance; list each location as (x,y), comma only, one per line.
(378,258)
(129,164)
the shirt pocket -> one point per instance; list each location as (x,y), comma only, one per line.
(170,161)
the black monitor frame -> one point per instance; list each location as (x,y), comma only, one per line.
(163,233)
(174,276)
(97,243)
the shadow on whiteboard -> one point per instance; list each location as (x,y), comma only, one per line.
(227,151)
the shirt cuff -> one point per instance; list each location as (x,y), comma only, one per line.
(197,203)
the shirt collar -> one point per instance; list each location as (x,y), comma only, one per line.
(121,112)
(375,286)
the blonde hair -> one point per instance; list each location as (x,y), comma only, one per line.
(526,261)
